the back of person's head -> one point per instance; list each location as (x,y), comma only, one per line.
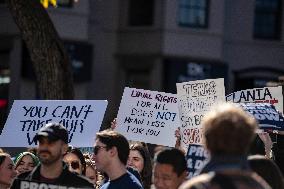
(114,139)
(230,180)
(228,130)
(268,170)
(173,157)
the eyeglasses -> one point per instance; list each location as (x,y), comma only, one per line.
(97,148)
(74,164)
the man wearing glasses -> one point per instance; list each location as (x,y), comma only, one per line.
(111,152)
(52,172)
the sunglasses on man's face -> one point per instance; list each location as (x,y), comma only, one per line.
(74,164)
(97,148)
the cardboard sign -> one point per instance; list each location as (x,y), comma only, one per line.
(26,184)
(197,156)
(148,116)
(195,99)
(82,119)
(272,95)
(266,115)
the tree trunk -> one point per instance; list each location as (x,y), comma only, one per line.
(49,57)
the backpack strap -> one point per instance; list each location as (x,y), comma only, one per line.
(200,186)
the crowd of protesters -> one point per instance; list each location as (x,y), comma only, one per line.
(117,163)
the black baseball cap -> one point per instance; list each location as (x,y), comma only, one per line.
(53,131)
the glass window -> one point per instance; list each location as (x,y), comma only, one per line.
(65,3)
(138,79)
(141,12)
(267,19)
(193,13)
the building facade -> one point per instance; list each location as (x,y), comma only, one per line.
(152,44)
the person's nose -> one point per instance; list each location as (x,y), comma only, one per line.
(129,162)
(158,183)
(14,173)
(94,157)
(26,166)
(43,145)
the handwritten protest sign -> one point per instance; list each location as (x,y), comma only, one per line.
(148,116)
(272,95)
(197,157)
(195,99)
(265,114)
(82,118)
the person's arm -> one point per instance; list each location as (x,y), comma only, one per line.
(113,124)
(266,139)
(178,140)
(178,137)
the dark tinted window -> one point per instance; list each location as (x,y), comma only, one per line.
(267,19)
(141,12)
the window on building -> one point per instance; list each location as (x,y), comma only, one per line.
(193,13)
(138,79)
(65,3)
(267,19)
(184,70)
(141,12)
(80,56)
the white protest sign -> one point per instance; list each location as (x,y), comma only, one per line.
(82,118)
(272,95)
(195,99)
(148,116)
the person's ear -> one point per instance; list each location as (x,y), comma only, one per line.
(184,175)
(64,148)
(113,151)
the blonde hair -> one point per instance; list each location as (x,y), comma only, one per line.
(228,130)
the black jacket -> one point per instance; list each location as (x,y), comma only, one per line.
(66,178)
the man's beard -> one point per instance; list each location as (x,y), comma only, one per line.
(50,159)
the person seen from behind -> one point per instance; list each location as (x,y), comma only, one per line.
(228,132)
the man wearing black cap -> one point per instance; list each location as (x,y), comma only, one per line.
(52,142)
